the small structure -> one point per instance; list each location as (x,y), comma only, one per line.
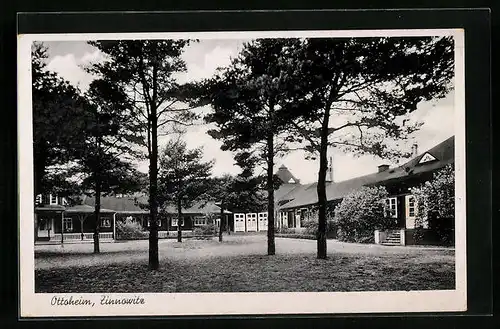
(298,204)
(63,222)
(79,223)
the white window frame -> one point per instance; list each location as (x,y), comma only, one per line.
(175,221)
(50,199)
(200,220)
(408,198)
(66,227)
(427,157)
(39,199)
(102,222)
(157,221)
(389,203)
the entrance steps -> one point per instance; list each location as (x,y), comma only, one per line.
(393,239)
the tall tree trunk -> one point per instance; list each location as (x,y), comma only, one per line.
(153,178)
(36,226)
(321,187)
(97,216)
(271,247)
(40,164)
(81,219)
(221,222)
(179,214)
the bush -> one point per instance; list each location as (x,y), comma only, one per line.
(296,236)
(286,230)
(129,229)
(436,206)
(204,231)
(361,213)
(311,228)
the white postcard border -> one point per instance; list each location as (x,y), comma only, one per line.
(39,304)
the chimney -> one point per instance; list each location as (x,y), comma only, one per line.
(414,150)
(329,171)
(383,167)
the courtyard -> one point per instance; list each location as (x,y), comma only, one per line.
(241,264)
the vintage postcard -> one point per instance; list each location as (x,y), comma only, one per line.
(242,173)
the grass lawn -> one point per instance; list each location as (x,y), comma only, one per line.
(240,264)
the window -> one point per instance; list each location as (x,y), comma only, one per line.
(198,220)
(158,222)
(105,222)
(427,157)
(174,222)
(41,224)
(391,207)
(411,207)
(53,199)
(39,199)
(68,224)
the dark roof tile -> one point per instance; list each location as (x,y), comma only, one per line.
(306,194)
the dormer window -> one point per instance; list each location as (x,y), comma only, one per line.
(53,199)
(39,199)
(427,157)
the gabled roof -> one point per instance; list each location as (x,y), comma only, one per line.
(46,207)
(306,194)
(84,208)
(198,208)
(125,204)
(286,176)
(131,205)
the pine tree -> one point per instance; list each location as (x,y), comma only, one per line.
(251,107)
(183,177)
(145,70)
(104,158)
(58,108)
(361,93)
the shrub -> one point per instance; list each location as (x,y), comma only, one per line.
(129,229)
(311,227)
(296,236)
(204,231)
(436,205)
(286,230)
(360,213)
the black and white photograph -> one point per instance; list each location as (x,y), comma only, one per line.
(242,173)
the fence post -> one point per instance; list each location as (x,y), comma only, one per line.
(114,226)
(62,228)
(402,237)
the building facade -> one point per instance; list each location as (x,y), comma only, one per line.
(298,204)
(57,220)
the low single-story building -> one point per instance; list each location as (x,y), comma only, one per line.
(58,220)
(297,203)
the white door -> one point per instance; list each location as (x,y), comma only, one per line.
(284,219)
(410,211)
(262,221)
(252,222)
(239,222)
(45,227)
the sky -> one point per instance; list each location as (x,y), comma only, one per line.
(68,58)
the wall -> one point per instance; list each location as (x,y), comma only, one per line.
(429,237)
